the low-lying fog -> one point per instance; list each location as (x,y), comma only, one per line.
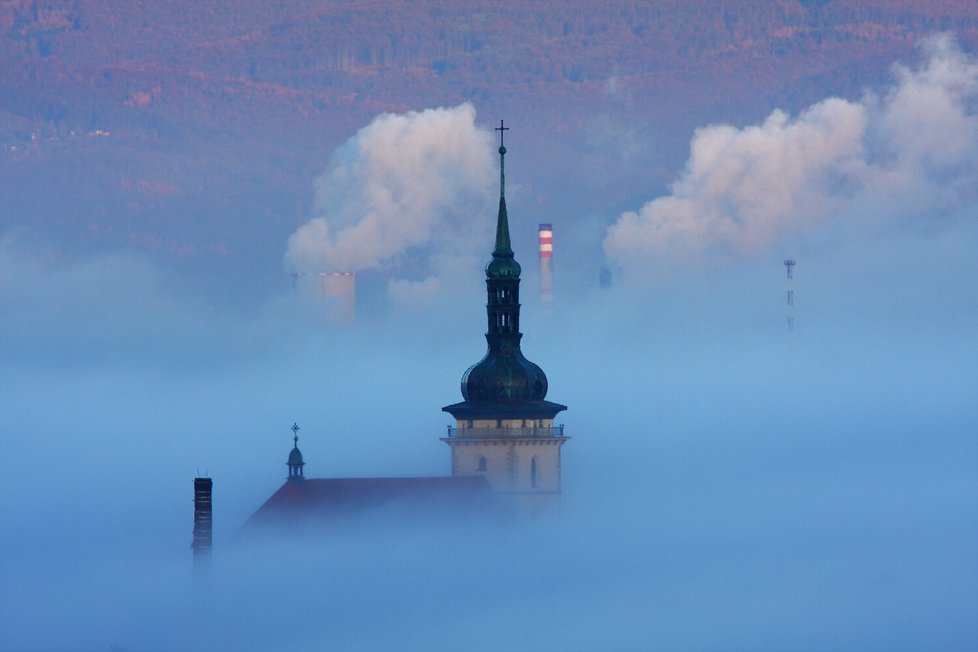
(729,484)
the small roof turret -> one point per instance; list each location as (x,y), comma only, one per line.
(295,462)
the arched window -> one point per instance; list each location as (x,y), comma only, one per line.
(482,463)
(533,472)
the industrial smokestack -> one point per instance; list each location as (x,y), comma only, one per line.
(546,236)
(203,524)
(790,266)
(340,295)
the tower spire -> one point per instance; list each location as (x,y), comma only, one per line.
(503,247)
(504,374)
(502,129)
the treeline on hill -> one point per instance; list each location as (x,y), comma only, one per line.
(253,39)
(83,64)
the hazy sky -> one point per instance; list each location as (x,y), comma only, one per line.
(729,484)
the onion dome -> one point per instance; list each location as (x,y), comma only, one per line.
(504,378)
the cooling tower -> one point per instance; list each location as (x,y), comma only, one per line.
(340,296)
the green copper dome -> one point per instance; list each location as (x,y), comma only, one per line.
(501,377)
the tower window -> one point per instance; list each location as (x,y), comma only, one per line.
(533,472)
(482,463)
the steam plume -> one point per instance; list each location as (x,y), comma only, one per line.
(406,184)
(907,155)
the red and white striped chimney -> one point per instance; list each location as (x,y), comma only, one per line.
(546,235)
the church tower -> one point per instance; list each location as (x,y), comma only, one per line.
(504,428)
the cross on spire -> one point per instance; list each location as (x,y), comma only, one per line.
(501,129)
(295,432)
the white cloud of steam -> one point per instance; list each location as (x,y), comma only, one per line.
(405,294)
(906,155)
(408,189)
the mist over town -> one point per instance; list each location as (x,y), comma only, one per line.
(755,461)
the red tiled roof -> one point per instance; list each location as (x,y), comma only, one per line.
(323,500)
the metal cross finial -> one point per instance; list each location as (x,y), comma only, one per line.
(501,129)
(295,432)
